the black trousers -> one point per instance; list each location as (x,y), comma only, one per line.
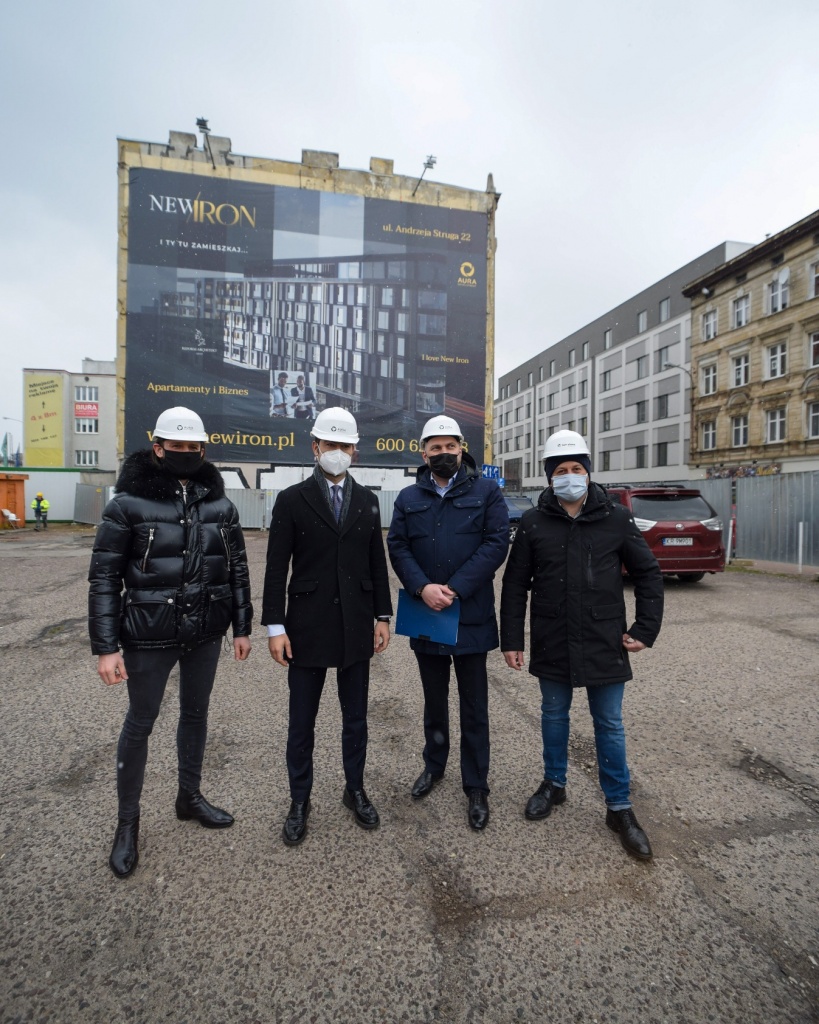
(148,672)
(306,685)
(473,694)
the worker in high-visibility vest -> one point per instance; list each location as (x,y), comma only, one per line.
(41,507)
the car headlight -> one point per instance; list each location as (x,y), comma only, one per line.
(644,524)
(715,523)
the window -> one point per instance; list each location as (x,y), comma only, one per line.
(517,388)
(571,394)
(570,425)
(642,411)
(571,357)
(86,458)
(642,367)
(813,419)
(739,431)
(528,412)
(551,367)
(709,325)
(741,310)
(584,384)
(583,425)
(777,360)
(665,310)
(778,292)
(661,453)
(605,461)
(585,350)
(642,321)
(663,357)
(540,373)
(814,349)
(605,421)
(540,404)
(540,436)
(709,379)
(741,369)
(605,381)
(709,435)
(86,426)
(607,341)
(83,393)
(552,400)
(813,282)
(662,411)
(530,379)
(640,453)
(775,428)
(517,415)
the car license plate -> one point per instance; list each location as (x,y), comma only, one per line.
(678,542)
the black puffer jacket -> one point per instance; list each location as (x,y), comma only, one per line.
(573,567)
(179,556)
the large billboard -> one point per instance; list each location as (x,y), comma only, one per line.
(260,304)
(43,412)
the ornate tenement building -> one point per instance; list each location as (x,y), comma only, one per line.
(755,357)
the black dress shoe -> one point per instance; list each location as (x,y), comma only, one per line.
(359,803)
(295,825)
(634,840)
(424,783)
(125,852)
(194,805)
(478,809)
(539,805)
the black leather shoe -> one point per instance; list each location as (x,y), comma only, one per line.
(478,809)
(634,840)
(125,852)
(295,825)
(194,805)
(424,783)
(359,803)
(539,805)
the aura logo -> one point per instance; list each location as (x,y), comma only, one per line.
(203,211)
(467,278)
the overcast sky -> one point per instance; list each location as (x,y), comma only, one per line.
(626,138)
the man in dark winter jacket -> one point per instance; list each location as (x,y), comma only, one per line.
(168,578)
(449,534)
(334,611)
(569,552)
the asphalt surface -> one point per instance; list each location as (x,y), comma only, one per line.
(423,919)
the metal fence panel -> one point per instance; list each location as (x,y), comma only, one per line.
(89,501)
(251,505)
(718,494)
(769,511)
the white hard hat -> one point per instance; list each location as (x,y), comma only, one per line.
(565,443)
(335,424)
(441,426)
(180,424)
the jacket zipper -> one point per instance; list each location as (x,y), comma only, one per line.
(224,533)
(589,573)
(148,549)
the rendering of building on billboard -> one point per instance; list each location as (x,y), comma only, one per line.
(258,292)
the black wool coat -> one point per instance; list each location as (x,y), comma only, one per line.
(578,612)
(168,569)
(338,581)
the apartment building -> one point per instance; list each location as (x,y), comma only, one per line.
(622,381)
(755,357)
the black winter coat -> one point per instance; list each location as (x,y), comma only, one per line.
(573,568)
(338,583)
(180,558)
(459,540)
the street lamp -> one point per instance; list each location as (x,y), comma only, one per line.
(692,429)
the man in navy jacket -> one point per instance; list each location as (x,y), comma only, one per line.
(449,534)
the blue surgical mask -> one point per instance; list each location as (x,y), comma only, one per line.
(570,486)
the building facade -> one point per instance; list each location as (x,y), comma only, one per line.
(622,381)
(70,418)
(755,357)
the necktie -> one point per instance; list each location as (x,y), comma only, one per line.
(336,501)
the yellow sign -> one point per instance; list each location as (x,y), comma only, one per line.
(43,412)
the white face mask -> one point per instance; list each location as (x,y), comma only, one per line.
(335,462)
(570,486)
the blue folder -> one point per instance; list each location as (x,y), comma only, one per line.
(414,618)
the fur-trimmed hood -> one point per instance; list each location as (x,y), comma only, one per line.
(142,477)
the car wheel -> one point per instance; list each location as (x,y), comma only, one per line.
(513,529)
(690,577)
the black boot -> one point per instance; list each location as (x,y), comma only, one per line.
(295,825)
(125,853)
(633,838)
(194,805)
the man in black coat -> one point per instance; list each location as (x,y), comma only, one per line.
(334,612)
(168,578)
(569,552)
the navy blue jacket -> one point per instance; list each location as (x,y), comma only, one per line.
(459,540)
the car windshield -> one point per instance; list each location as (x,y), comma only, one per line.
(521,503)
(671,506)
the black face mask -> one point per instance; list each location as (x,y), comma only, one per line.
(182,465)
(445,465)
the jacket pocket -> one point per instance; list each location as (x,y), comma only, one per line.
(470,514)
(219,610)
(301,588)
(418,522)
(367,585)
(608,611)
(149,615)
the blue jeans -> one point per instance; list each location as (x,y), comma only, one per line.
(605,704)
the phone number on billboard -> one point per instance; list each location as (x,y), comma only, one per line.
(398,444)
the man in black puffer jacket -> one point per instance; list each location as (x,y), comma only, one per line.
(168,578)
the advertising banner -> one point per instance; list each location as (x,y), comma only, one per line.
(259,305)
(43,415)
